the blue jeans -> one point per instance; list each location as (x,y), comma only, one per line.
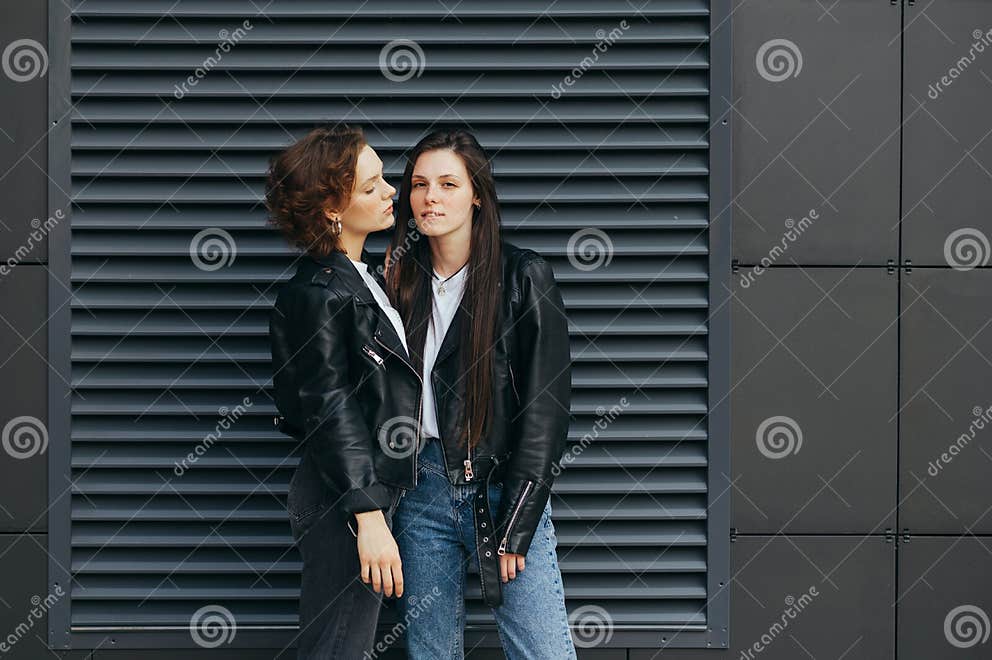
(435,531)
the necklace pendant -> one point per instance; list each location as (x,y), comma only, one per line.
(440,290)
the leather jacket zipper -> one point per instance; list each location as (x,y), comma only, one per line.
(469,474)
(420,403)
(513,518)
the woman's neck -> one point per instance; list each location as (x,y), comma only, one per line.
(353,244)
(449,253)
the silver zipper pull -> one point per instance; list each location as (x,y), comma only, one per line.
(502,546)
(468,470)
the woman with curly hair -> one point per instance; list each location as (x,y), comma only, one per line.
(344,387)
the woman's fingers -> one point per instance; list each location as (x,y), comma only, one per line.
(387,579)
(397,569)
(376,578)
(366,572)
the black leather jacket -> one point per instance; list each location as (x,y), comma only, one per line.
(532,396)
(343,383)
(353,406)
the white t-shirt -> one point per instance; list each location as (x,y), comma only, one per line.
(444,307)
(383,300)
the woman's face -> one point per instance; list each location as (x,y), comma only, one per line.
(370,207)
(441,194)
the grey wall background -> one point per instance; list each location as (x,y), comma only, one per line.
(868,333)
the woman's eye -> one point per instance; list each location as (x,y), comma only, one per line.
(369,192)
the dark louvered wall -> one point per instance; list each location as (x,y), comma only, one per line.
(159,346)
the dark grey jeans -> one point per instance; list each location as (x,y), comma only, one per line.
(338,612)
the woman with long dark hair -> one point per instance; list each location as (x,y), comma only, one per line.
(344,386)
(486,327)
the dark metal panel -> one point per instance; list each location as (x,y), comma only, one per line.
(945,401)
(947,155)
(814,400)
(23,158)
(850,614)
(943,604)
(816,93)
(23,408)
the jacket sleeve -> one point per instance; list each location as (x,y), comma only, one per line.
(543,383)
(333,421)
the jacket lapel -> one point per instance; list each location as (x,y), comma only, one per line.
(452,336)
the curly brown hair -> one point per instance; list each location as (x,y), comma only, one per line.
(315,173)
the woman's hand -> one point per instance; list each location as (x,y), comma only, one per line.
(509,564)
(378,554)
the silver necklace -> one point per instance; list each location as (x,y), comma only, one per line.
(440,289)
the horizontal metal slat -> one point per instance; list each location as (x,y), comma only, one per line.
(383,9)
(359,28)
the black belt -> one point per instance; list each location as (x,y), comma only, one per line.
(485,538)
(485,467)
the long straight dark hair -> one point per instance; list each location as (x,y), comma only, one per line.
(411,272)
